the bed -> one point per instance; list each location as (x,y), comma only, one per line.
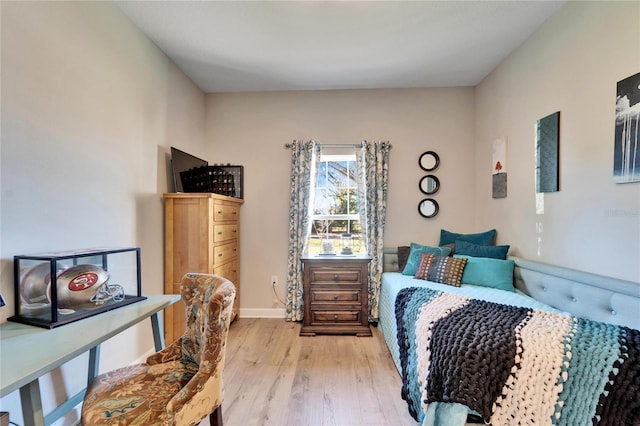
(445,378)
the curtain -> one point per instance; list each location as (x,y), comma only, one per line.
(304,156)
(372,163)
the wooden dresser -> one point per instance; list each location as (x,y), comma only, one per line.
(336,295)
(202,234)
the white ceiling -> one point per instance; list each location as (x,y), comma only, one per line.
(237,46)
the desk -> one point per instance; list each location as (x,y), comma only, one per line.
(28,352)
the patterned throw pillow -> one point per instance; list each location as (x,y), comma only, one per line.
(441,269)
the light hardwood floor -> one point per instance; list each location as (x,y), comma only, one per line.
(275,377)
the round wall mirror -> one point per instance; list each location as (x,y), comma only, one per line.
(429,184)
(429,161)
(428,208)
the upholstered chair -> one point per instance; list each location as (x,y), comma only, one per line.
(181,384)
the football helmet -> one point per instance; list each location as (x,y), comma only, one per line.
(86,287)
(78,287)
(34,286)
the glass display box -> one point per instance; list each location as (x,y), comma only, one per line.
(217,179)
(53,289)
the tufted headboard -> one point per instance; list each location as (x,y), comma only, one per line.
(580,293)
(390,259)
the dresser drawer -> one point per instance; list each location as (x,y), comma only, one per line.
(225,232)
(231,271)
(335,296)
(223,212)
(224,253)
(228,270)
(335,317)
(335,276)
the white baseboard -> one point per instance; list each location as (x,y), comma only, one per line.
(262,313)
(143,357)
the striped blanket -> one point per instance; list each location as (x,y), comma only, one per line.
(515,365)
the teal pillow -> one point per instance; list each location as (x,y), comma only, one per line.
(486,238)
(486,272)
(415,251)
(477,250)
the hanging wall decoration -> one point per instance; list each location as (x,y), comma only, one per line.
(499,161)
(626,151)
(429,184)
(547,162)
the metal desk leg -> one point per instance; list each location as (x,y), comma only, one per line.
(94,364)
(32,404)
(68,405)
(158,334)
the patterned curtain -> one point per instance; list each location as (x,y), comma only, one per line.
(303,169)
(372,164)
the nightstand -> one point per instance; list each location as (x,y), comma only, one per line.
(336,295)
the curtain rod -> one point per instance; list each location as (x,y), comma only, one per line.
(331,145)
(334,145)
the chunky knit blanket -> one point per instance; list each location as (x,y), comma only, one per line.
(514,365)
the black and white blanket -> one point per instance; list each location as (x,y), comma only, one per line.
(515,365)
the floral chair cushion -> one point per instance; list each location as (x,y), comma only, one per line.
(181,384)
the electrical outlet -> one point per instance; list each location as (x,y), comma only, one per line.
(274,280)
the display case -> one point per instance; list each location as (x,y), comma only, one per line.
(216,179)
(53,289)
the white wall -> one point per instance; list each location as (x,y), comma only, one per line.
(252,128)
(89,109)
(571,65)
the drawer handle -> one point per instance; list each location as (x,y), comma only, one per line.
(335,297)
(235,230)
(219,211)
(219,254)
(335,277)
(335,317)
(219,233)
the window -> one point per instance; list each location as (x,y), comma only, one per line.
(335,209)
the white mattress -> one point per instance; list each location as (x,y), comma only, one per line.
(393,282)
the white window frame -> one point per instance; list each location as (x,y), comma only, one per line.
(327,158)
(349,217)
(332,158)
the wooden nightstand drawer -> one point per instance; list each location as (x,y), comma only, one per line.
(335,275)
(335,317)
(225,232)
(335,296)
